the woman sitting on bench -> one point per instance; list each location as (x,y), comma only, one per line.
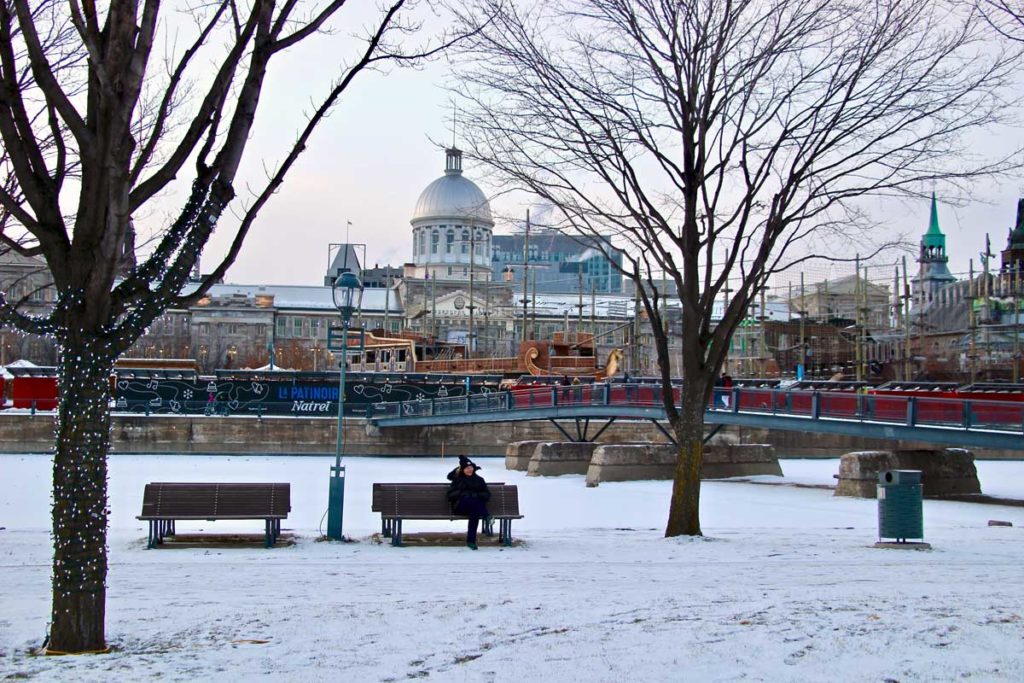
(468,495)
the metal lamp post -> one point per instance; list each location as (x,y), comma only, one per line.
(348,294)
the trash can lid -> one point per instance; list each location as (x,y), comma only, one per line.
(899,477)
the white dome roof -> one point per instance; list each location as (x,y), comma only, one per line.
(453,196)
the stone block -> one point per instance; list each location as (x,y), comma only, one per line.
(560,457)
(518,454)
(858,472)
(944,471)
(739,460)
(633,462)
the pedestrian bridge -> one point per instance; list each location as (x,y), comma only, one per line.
(951,422)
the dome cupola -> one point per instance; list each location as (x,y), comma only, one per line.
(453,196)
(452,226)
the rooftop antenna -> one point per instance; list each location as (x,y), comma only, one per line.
(455,117)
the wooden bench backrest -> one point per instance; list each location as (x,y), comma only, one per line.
(430,500)
(180,500)
(379,489)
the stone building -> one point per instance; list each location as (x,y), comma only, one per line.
(26,282)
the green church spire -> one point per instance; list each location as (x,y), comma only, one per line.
(934,236)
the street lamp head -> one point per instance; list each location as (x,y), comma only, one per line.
(348,294)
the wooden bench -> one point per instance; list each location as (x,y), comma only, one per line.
(164,503)
(398,502)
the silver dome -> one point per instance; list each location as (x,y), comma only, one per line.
(453,196)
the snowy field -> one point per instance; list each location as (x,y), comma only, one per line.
(784,587)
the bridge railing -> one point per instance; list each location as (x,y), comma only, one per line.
(920,410)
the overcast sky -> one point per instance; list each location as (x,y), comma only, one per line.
(371,159)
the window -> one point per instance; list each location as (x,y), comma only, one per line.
(434,237)
(314,327)
(282,326)
(296,326)
(449,242)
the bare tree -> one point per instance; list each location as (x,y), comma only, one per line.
(94,127)
(1005,16)
(720,142)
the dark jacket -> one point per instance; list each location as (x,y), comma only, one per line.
(473,486)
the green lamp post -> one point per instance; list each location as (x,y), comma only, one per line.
(348,294)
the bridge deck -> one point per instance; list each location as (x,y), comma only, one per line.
(953,422)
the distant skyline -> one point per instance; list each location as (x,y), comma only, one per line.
(371,159)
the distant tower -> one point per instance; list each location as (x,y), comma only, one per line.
(933,273)
(1013,255)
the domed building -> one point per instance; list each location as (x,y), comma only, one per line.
(452,227)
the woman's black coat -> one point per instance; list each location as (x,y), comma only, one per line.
(473,486)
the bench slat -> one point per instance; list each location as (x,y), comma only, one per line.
(181,500)
(429,501)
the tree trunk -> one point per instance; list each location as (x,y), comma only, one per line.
(80,496)
(684,508)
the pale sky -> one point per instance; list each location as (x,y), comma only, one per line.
(371,159)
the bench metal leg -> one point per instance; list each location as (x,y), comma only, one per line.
(396,532)
(158,528)
(488,526)
(506,532)
(385,527)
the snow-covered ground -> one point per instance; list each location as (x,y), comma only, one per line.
(784,587)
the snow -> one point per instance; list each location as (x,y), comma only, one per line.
(785,586)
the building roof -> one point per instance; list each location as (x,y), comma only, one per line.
(605,305)
(848,284)
(309,298)
(453,197)
(345,260)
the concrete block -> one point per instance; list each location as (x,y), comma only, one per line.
(518,454)
(944,471)
(632,462)
(739,460)
(560,457)
(858,472)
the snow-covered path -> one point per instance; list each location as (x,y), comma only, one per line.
(784,587)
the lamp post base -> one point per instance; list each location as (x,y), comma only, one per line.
(336,503)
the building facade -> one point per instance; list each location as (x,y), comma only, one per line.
(557,263)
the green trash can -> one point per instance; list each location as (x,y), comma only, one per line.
(899,505)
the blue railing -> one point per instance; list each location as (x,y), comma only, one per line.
(914,411)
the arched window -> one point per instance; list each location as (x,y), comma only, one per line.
(435,236)
(449,242)
(465,241)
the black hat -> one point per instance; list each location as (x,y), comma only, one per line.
(464,461)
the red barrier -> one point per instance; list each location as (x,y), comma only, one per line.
(41,390)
